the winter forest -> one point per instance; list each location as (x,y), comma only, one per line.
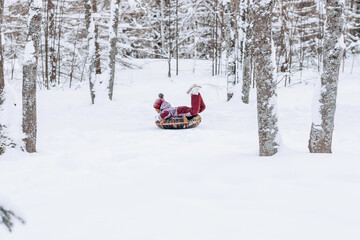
(276,155)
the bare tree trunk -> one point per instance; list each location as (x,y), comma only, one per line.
(247,56)
(195,26)
(30,75)
(325,101)
(216,37)
(232,47)
(52,37)
(46,36)
(177,37)
(169,42)
(58,57)
(2,80)
(73,56)
(162,27)
(113,28)
(90,26)
(265,77)
(97,45)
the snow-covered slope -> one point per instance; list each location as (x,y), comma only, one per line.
(105,171)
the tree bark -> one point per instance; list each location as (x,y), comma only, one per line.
(52,37)
(90,26)
(30,75)
(97,45)
(265,77)
(232,47)
(322,126)
(2,81)
(247,57)
(113,28)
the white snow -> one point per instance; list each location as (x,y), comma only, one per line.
(105,171)
(11,116)
(316,104)
(29,53)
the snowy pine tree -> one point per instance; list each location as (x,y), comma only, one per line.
(325,99)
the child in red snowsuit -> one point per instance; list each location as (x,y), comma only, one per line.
(166,111)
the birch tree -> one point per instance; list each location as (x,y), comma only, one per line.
(113,27)
(322,126)
(265,77)
(29,75)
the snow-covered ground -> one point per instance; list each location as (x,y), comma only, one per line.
(105,171)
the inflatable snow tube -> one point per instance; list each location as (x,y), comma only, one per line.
(179,122)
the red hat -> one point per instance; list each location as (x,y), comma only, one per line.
(158,103)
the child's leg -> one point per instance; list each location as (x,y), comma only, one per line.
(195,104)
(202,104)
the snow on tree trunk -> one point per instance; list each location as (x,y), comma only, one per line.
(265,77)
(90,26)
(114,21)
(325,95)
(247,56)
(30,74)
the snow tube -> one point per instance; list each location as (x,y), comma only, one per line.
(179,122)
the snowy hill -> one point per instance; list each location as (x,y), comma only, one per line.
(105,171)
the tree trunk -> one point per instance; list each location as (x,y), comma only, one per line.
(177,36)
(246,67)
(90,26)
(162,27)
(195,26)
(97,45)
(232,48)
(114,21)
(2,81)
(30,75)
(169,42)
(325,101)
(52,37)
(265,77)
